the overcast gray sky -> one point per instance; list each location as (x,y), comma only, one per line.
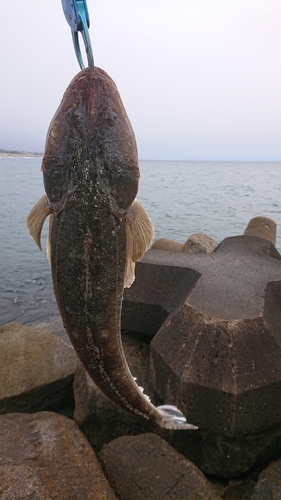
(200,79)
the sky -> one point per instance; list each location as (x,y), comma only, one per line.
(200,79)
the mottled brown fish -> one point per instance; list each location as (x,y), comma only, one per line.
(97,231)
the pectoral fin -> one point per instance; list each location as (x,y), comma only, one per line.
(48,245)
(36,218)
(139,234)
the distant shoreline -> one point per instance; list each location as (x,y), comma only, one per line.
(19,154)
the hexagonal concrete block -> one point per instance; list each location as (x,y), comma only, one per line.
(224,375)
(156,291)
(218,354)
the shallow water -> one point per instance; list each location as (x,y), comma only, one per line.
(182,198)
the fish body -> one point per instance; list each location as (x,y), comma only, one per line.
(97,231)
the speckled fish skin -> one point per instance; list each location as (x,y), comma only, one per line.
(91,177)
(97,231)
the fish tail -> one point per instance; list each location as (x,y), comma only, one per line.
(172,418)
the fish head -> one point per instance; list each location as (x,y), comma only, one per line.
(91,141)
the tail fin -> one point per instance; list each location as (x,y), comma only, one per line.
(173,418)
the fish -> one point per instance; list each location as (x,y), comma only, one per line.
(97,231)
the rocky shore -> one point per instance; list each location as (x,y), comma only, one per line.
(201,330)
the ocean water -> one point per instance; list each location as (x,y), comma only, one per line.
(215,198)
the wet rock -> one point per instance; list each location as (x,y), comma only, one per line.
(145,467)
(199,243)
(44,456)
(167,245)
(268,486)
(263,227)
(95,413)
(36,370)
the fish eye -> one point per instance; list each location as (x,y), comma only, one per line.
(110,117)
(70,112)
(73,113)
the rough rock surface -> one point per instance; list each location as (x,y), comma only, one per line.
(199,243)
(36,370)
(168,245)
(145,467)
(157,290)
(239,491)
(263,227)
(56,327)
(268,486)
(196,243)
(223,365)
(44,456)
(224,457)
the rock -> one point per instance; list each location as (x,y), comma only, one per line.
(170,245)
(217,353)
(145,467)
(241,490)
(98,418)
(44,456)
(222,456)
(214,454)
(268,486)
(263,227)
(56,327)
(36,370)
(199,243)
(94,412)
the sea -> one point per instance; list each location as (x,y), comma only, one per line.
(181,198)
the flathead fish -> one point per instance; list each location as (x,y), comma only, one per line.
(97,232)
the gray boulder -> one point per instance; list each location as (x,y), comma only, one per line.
(239,490)
(268,486)
(168,245)
(56,327)
(36,370)
(44,456)
(199,243)
(145,467)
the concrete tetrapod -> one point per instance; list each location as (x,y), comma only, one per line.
(217,352)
